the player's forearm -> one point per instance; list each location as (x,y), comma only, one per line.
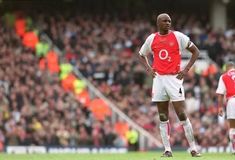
(220,101)
(195,53)
(144,61)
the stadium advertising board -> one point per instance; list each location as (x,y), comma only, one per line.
(43,149)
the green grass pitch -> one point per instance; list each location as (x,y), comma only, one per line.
(127,156)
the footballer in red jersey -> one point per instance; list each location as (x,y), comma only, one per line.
(226,87)
(167,46)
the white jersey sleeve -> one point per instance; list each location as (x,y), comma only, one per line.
(182,39)
(146,47)
(221,89)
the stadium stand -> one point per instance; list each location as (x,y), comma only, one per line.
(37,107)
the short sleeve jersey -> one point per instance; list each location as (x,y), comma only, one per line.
(226,84)
(166,50)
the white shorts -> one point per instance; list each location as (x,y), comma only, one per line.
(230,108)
(167,87)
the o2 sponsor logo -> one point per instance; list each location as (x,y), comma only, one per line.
(164,55)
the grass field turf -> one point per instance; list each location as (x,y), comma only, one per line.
(127,156)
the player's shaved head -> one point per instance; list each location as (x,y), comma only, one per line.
(230,65)
(163,23)
(161,16)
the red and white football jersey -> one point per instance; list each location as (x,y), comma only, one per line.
(227,84)
(166,51)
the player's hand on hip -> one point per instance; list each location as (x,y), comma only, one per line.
(220,111)
(151,71)
(181,74)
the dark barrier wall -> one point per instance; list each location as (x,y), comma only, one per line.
(142,7)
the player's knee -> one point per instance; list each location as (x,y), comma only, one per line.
(182,116)
(163,117)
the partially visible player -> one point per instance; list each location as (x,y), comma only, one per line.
(226,87)
(167,47)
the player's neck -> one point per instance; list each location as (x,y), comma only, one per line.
(163,33)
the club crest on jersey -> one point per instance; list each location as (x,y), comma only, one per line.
(171,43)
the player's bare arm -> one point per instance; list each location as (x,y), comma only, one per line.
(220,104)
(195,53)
(144,60)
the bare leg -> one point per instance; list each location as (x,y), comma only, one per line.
(232,133)
(179,107)
(164,124)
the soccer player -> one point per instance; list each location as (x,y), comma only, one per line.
(167,46)
(226,86)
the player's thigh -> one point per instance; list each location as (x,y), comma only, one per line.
(179,107)
(174,88)
(230,111)
(158,90)
(163,110)
(231,123)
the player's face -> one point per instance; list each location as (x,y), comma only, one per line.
(164,23)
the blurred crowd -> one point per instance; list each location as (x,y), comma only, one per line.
(36,110)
